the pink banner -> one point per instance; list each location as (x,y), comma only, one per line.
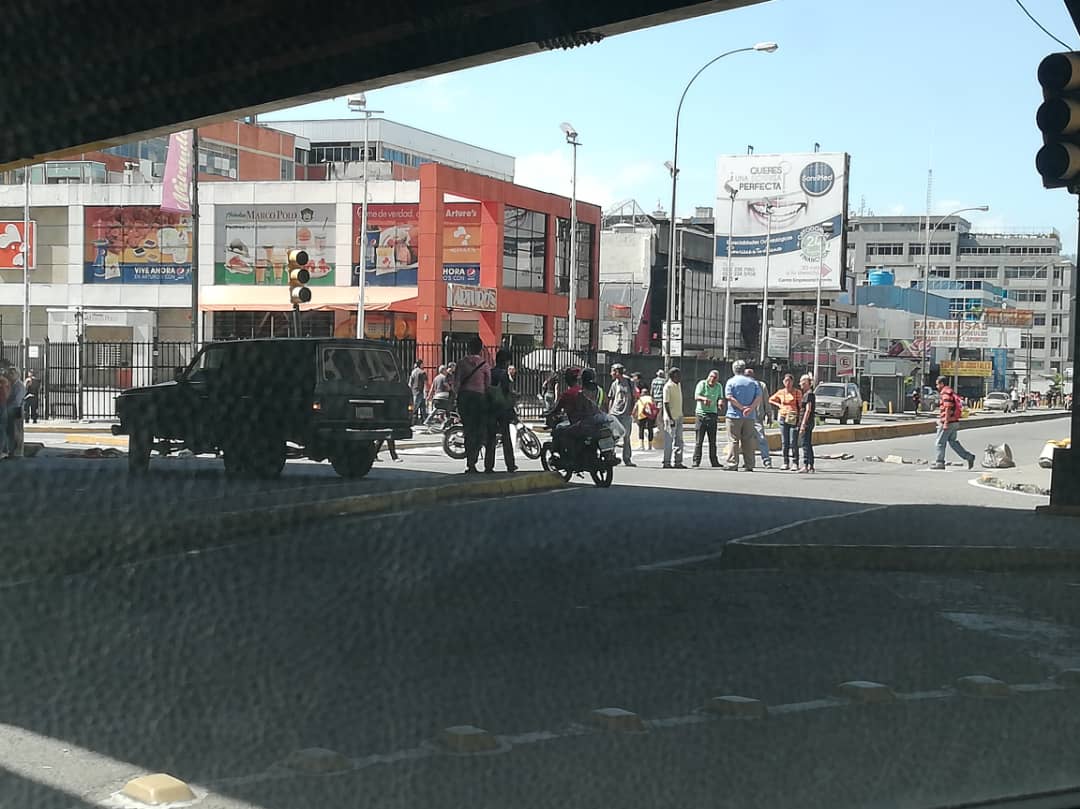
(175,192)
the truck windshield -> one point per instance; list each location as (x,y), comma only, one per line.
(358,365)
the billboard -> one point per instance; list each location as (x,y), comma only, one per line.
(951,333)
(392,244)
(1015,318)
(136,244)
(778,214)
(11,245)
(252,243)
(461,243)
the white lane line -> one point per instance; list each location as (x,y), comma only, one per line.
(692,560)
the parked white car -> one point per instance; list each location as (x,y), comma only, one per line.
(838,400)
(998,401)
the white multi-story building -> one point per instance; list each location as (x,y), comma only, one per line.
(976,271)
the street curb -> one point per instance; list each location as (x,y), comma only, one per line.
(128,537)
(96,440)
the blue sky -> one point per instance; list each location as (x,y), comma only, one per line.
(900,86)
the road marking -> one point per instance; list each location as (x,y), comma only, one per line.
(698,559)
(978,484)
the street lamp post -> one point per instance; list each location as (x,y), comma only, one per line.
(571,318)
(358,103)
(827,230)
(926,282)
(764,47)
(26,256)
(732,191)
(765,285)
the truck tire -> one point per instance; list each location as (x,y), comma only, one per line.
(263,458)
(140,443)
(354,460)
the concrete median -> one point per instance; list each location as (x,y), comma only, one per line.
(75,543)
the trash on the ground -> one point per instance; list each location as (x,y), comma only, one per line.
(843,456)
(1024,488)
(998,456)
(874,459)
(95,452)
(1046,457)
(897,459)
(185,453)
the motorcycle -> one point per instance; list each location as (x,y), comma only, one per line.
(524,438)
(594,454)
(442,416)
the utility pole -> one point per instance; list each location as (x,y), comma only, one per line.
(196,332)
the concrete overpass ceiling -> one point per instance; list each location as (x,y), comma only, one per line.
(82,75)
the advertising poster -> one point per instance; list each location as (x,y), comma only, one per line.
(461,244)
(11,245)
(136,244)
(392,245)
(252,243)
(786,203)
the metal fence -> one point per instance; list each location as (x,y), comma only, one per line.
(80,381)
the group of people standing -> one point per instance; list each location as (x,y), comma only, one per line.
(18,401)
(485,401)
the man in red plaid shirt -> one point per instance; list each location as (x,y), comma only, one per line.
(948,421)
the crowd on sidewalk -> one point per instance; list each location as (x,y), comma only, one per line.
(18,403)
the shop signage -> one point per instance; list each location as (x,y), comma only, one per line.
(1016,318)
(464,274)
(480,299)
(967,368)
(11,245)
(943,333)
(779,343)
(136,244)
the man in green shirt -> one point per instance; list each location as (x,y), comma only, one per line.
(707,393)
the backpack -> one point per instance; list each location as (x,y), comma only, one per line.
(651,411)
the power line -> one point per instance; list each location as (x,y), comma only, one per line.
(1041,27)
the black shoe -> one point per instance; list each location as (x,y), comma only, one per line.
(971,462)
(696,464)
(667,466)
(489,471)
(716,465)
(680,466)
(470,470)
(511,469)
(629,463)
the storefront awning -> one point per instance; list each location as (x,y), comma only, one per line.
(276,299)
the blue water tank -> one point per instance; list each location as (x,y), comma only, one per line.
(882,278)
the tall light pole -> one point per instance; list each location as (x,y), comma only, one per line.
(764,47)
(358,103)
(765,286)
(571,315)
(926,282)
(26,256)
(826,232)
(732,191)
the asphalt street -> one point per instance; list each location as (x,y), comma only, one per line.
(368,636)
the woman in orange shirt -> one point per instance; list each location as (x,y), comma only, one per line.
(788,400)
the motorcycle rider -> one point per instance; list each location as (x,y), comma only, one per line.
(582,414)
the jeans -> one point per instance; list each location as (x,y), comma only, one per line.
(763,443)
(789,433)
(499,427)
(808,445)
(30,410)
(673,442)
(473,409)
(947,436)
(742,439)
(626,421)
(705,427)
(419,407)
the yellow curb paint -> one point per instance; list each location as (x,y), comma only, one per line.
(154,790)
(96,440)
(865,692)
(731,705)
(468,739)
(617,720)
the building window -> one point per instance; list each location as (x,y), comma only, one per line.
(218,159)
(977,272)
(1038,319)
(584,258)
(940,249)
(884,249)
(1055,322)
(1057,275)
(1055,346)
(916,249)
(973,250)
(288,170)
(941,272)
(524,249)
(1055,299)
(584,333)
(1034,343)
(1025,272)
(1031,251)
(1028,295)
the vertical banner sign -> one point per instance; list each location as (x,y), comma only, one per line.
(461,244)
(845,363)
(388,253)
(11,245)
(176,185)
(785,201)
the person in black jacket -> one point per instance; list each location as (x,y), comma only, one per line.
(501,414)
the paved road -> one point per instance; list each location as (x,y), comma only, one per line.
(368,636)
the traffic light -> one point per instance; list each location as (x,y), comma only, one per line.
(299,277)
(1058,161)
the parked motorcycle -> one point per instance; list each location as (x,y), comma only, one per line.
(594,454)
(524,438)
